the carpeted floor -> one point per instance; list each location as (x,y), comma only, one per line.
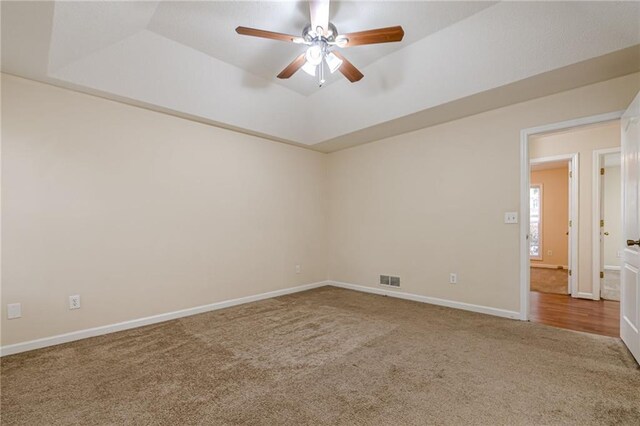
(547,280)
(327,356)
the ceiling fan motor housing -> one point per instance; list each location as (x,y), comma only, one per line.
(310,35)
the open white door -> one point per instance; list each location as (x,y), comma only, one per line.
(630,273)
(597,293)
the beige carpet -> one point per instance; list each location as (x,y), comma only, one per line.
(547,280)
(327,356)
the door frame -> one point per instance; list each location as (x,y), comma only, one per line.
(525,171)
(574,186)
(596,199)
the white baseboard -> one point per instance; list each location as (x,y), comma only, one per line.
(431,300)
(140,322)
(584,295)
(546,266)
(611,268)
(126,325)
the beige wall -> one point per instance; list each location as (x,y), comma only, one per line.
(142,213)
(583,141)
(431,202)
(555,215)
(613,243)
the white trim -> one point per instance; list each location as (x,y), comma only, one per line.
(551,159)
(140,322)
(524,193)
(584,295)
(596,206)
(612,268)
(431,300)
(546,266)
(574,230)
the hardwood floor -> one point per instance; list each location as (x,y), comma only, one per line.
(591,316)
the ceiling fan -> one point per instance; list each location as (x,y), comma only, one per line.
(322,39)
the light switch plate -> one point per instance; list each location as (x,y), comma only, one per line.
(511,217)
(74,301)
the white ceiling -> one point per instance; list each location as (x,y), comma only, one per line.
(185,57)
(210,28)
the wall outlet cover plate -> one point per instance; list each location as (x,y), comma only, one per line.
(14,310)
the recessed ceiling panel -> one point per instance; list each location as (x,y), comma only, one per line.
(210,28)
(185,58)
(81,28)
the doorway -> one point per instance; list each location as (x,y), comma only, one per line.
(551,208)
(560,288)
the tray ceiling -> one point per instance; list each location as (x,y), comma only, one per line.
(185,58)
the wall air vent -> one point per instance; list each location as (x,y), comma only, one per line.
(390,280)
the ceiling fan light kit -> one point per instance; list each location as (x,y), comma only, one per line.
(322,38)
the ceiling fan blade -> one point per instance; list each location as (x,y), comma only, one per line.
(293,67)
(268,34)
(379,35)
(347,69)
(319,13)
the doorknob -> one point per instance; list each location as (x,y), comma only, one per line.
(606,233)
(633,243)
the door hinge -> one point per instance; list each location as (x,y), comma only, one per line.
(602,170)
(601,223)
(569,272)
(570,173)
(570,223)
(601,274)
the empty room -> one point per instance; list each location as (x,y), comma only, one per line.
(320,212)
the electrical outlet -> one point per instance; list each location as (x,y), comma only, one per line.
(298,269)
(74,302)
(453,278)
(14,310)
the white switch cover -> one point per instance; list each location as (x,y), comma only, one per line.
(14,310)
(298,269)
(74,302)
(511,217)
